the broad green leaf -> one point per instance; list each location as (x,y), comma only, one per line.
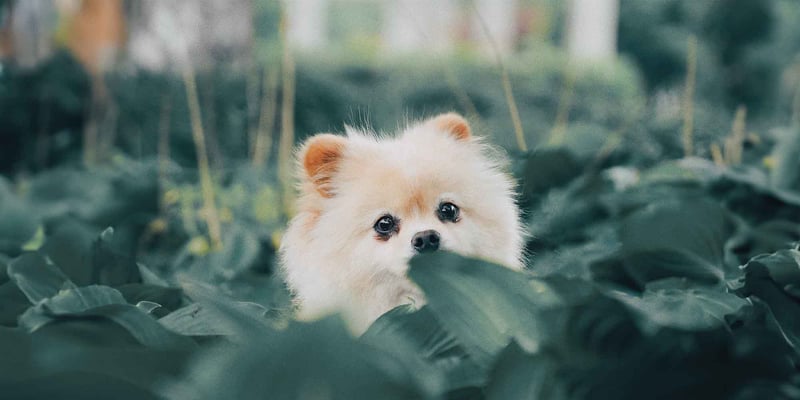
(544,169)
(18,222)
(76,385)
(482,304)
(696,226)
(76,300)
(783,266)
(167,297)
(676,238)
(216,313)
(519,375)
(198,320)
(37,278)
(12,303)
(103,302)
(651,265)
(415,337)
(678,303)
(108,265)
(317,360)
(784,308)
(70,248)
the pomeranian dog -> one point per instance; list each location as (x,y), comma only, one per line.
(369,203)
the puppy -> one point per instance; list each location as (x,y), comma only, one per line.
(368,204)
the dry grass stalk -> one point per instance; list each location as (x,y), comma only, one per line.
(210,212)
(163,149)
(716,155)
(266,118)
(287,121)
(559,132)
(796,106)
(735,141)
(506,81)
(688,97)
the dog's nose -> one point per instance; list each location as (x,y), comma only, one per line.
(426,241)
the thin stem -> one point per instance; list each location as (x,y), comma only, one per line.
(688,97)
(266,119)
(506,80)
(206,184)
(287,121)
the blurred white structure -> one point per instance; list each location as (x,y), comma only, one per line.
(307,23)
(500,19)
(32,26)
(413,25)
(163,34)
(592,29)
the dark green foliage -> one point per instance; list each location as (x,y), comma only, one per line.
(46,104)
(646,276)
(633,290)
(744,46)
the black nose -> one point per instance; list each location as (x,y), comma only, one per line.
(426,241)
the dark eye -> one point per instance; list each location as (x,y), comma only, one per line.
(385,225)
(448,212)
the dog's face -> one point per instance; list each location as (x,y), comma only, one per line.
(431,188)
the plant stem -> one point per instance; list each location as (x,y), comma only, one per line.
(688,97)
(559,132)
(506,80)
(206,183)
(287,121)
(266,119)
(163,149)
(734,143)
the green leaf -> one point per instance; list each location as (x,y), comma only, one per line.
(784,308)
(18,223)
(37,278)
(198,320)
(12,303)
(108,265)
(168,297)
(70,248)
(682,237)
(679,303)
(544,169)
(783,266)
(482,304)
(103,302)
(417,337)
(519,375)
(317,360)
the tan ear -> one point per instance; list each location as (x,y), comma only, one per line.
(320,156)
(453,124)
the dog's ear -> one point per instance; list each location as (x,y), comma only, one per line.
(453,124)
(320,156)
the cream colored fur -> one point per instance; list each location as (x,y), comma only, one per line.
(331,257)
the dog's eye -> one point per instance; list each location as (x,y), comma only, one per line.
(448,212)
(385,225)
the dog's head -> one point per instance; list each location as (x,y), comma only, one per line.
(433,187)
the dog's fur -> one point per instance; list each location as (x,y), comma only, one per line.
(332,257)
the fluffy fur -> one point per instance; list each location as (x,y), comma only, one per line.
(333,259)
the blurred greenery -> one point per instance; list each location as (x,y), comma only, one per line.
(649,274)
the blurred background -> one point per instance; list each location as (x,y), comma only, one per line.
(174,121)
